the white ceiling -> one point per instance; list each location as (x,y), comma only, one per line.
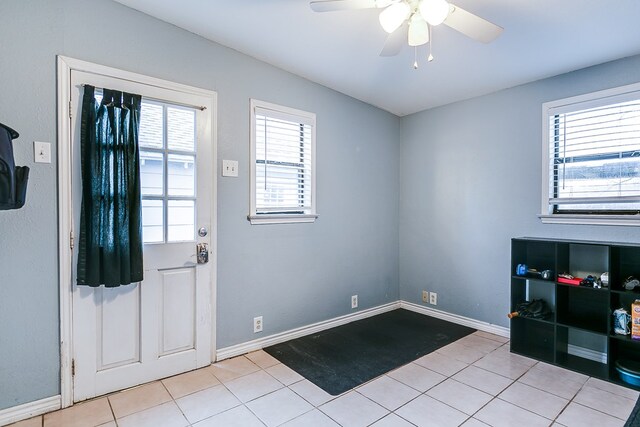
(339,50)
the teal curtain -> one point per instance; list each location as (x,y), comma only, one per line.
(110,241)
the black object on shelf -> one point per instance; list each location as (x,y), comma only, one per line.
(535,309)
(13,179)
(577,333)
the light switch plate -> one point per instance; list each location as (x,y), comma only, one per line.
(230,168)
(41,152)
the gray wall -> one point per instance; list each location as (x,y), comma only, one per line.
(470,180)
(468,174)
(293,275)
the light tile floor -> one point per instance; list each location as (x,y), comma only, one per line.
(473,382)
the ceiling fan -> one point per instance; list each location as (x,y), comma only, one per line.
(411,21)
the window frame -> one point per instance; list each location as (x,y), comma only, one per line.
(254,216)
(166,152)
(580,102)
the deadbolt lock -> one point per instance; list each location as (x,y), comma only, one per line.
(202,249)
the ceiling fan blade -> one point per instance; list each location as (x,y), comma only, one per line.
(333,5)
(472,26)
(395,41)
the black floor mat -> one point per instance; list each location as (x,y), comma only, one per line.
(344,357)
(634,417)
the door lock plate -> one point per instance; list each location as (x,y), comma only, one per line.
(202,249)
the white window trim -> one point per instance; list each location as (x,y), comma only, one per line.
(284,218)
(546,215)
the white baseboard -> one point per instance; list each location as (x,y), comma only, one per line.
(587,353)
(28,410)
(253,345)
(246,347)
(454,318)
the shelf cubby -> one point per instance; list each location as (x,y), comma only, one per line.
(584,308)
(582,351)
(533,338)
(622,347)
(624,263)
(537,254)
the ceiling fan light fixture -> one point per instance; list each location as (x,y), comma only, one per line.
(434,11)
(393,16)
(418,31)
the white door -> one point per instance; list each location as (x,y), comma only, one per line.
(161,326)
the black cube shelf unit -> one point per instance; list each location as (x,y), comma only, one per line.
(578,333)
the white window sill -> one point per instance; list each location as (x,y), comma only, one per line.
(629,220)
(281,219)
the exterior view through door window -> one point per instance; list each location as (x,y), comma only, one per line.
(167,172)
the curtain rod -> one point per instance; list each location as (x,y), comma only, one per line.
(197,107)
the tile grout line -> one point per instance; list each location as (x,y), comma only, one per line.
(528,410)
(594,409)
(569,401)
(113,414)
(174,400)
(493,397)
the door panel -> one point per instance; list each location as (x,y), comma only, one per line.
(163,325)
(118,326)
(178,310)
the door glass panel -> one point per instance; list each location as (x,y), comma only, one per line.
(182,177)
(151,126)
(151,173)
(180,220)
(152,221)
(181,129)
(167,172)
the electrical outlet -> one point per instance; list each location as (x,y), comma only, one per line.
(230,168)
(425,296)
(433,298)
(257,324)
(354,301)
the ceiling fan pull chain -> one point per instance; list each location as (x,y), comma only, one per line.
(430,57)
(415,58)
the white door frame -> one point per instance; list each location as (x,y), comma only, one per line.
(65,207)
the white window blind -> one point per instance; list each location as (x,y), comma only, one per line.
(283,148)
(594,156)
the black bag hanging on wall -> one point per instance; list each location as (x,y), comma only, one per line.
(13,179)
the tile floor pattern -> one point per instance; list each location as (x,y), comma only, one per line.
(472,382)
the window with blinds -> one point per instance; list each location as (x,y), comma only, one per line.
(594,155)
(282,146)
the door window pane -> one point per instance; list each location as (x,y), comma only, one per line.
(181,129)
(167,172)
(152,221)
(151,126)
(180,220)
(181,175)
(151,173)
